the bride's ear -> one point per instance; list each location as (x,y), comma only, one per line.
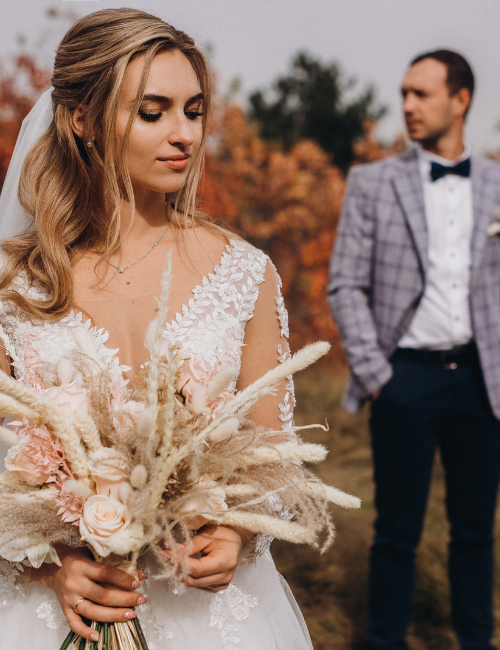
(78,122)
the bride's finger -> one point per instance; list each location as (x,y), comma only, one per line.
(216,581)
(77,625)
(94,612)
(218,561)
(113,597)
(110,575)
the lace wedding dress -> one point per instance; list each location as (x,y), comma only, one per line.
(257,611)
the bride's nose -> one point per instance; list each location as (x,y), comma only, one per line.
(181,131)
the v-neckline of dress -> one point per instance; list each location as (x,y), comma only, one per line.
(97,333)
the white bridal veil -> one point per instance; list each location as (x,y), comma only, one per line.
(13,219)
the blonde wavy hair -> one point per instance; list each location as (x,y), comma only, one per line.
(74,192)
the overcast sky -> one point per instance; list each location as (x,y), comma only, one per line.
(255,40)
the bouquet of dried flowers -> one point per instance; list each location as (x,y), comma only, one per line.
(122,473)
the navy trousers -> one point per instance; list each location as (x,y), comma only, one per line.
(426,405)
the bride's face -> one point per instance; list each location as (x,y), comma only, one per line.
(167,131)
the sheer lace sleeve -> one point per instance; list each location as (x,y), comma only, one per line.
(266,344)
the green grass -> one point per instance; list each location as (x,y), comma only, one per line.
(331,588)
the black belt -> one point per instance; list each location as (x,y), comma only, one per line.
(450,359)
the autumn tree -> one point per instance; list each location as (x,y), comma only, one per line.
(310,102)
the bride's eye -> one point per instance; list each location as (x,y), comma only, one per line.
(149,116)
(193,113)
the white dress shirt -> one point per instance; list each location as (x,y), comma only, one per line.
(442,319)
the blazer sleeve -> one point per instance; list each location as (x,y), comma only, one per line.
(350,285)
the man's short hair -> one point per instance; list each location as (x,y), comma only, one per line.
(460,73)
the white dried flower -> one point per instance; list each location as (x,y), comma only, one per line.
(78,488)
(8,436)
(222,381)
(85,346)
(139,477)
(65,370)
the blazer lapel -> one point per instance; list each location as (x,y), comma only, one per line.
(407,184)
(483,204)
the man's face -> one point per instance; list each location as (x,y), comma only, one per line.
(429,110)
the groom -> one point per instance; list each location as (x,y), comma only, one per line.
(415,292)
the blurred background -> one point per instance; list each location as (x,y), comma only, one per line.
(305,90)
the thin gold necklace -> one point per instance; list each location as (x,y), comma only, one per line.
(120,269)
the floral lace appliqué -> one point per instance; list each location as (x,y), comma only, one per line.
(51,613)
(9,588)
(286,408)
(228,607)
(211,326)
(154,631)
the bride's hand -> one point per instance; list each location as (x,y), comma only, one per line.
(220,548)
(79,578)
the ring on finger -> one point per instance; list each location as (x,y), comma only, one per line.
(78,602)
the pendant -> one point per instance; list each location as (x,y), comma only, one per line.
(121,270)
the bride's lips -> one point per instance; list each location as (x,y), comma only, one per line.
(176,162)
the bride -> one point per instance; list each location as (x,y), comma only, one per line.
(89,212)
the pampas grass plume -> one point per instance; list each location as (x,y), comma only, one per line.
(65,370)
(199,401)
(139,477)
(125,491)
(146,424)
(8,436)
(340,498)
(149,341)
(225,430)
(221,381)
(78,488)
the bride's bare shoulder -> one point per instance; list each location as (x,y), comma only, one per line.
(202,241)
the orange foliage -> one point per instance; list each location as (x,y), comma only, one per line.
(369,149)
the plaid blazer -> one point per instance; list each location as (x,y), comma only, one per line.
(378,269)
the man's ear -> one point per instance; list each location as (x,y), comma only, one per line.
(462,100)
(78,121)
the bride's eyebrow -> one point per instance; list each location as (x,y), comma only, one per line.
(162,99)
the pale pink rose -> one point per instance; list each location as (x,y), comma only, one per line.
(194,376)
(126,415)
(212,497)
(38,457)
(109,469)
(103,517)
(70,398)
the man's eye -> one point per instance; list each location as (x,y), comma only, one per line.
(149,117)
(192,115)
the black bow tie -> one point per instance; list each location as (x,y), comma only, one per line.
(462,169)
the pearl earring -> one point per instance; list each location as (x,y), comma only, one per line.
(90,144)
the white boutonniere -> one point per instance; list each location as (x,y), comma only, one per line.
(494,227)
